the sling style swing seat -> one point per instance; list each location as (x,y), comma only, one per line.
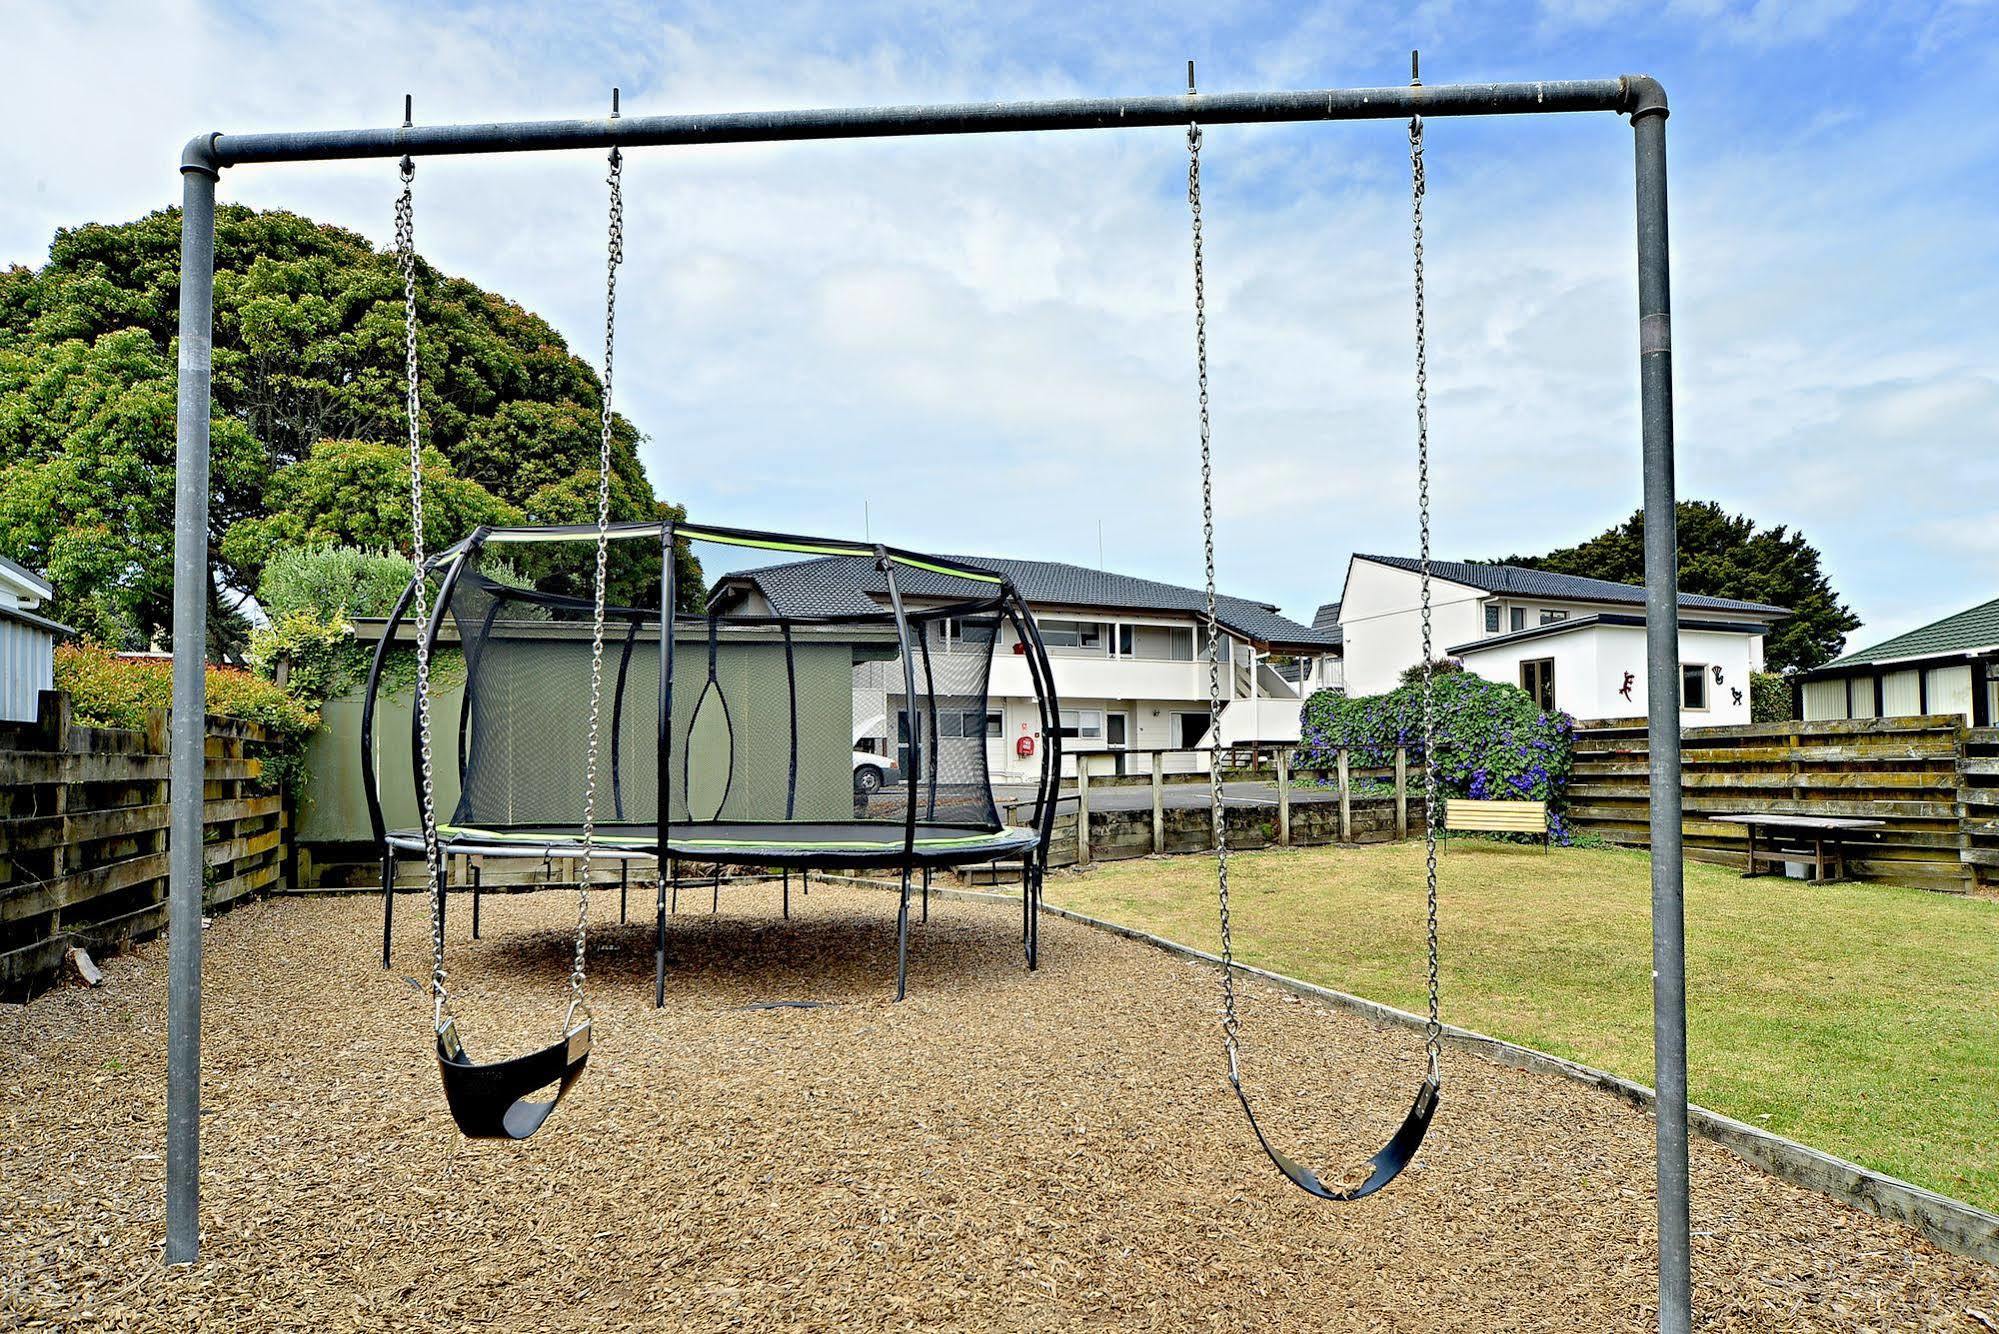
(732,737)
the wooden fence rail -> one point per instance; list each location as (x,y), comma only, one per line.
(83,834)
(1921,776)
(1336,808)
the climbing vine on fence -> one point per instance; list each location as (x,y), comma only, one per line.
(1493,743)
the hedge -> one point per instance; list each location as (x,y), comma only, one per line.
(1494,743)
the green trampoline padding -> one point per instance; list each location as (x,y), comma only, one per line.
(856,843)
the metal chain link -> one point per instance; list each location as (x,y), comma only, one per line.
(615,255)
(1433,1028)
(1231,1020)
(412,404)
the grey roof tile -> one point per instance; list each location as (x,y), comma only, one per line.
(1518,581)
(842,584)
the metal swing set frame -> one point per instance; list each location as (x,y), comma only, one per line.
(1639,97)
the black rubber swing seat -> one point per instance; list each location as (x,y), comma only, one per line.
(490,1101)
(1385,1166)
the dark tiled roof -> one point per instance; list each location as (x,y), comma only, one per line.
(1518,581)
(834,585)
(1327,618)
(1974,629)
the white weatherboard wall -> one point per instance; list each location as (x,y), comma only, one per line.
(27,667)
(1591,663)
(1381,618)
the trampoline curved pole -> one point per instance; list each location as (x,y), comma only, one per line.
(663,758)
(438,611)
(617,723)
(1049,789)
(371,781)
(887,567)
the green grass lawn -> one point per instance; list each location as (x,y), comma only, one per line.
(1861,1019)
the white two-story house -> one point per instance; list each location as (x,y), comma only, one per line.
(1129,657)
(1575,644)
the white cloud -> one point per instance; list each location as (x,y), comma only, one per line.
(989,340)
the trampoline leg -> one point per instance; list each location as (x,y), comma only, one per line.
(926,893)
(716,906)
(388,901)
(478,885)
(659,945)
(902,940)
(787,893)
(1026,899)
(1034,926)
(624,887)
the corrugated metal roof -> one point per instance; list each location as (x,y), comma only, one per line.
(832,585)
(1518,581)
(1976,628)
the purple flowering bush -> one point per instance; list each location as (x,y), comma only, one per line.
(1493,743)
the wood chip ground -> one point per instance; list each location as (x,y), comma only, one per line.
(1005,1150)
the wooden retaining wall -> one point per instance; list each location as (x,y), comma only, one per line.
(83,834)
(1978,793)
(1923,776)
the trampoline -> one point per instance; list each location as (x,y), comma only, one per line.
(734,736)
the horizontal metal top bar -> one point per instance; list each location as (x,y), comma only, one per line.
(1628,93)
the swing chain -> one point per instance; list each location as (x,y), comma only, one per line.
(412,405)
(615,255)
(1433,1029)
(1231,1021)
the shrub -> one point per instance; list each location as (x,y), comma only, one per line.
(318,656)
(1413,675)
(1770,698)
(1493,742)
(106,690)
(332,582)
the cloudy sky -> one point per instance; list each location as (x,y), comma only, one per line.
(985,344)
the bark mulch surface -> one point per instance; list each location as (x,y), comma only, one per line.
(1002,1151)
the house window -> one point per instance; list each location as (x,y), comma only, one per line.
(1158,643)
(1537,678)
(1549,617)
(1492,618)
(994,725)
(1519,621)
(1081,636)
(1083,724)
(1124,641)
(1693,685)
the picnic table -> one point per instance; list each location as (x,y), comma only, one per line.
(1828,835)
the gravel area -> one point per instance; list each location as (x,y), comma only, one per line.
(1005,1150)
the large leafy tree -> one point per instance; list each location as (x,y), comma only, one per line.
(308,418)
(1726,555)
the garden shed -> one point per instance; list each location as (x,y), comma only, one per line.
(27,642)
(1948,666)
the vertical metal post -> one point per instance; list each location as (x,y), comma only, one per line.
(187,766)
(1662,658)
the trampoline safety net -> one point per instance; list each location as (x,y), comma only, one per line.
(803,732)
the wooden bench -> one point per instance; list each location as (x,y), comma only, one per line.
(1466,816)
